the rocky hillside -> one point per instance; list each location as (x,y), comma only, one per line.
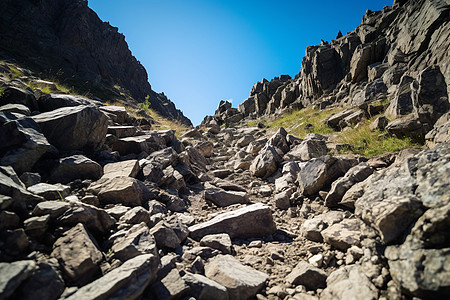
(65,39)
(400,54)
(94,204)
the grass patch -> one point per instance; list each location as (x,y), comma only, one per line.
(50,87)
(15,72)
(301,122)
(372,143)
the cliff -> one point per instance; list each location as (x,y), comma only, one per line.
(65,39)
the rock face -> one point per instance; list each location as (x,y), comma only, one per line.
(79,51)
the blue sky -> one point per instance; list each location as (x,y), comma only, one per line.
(199,52)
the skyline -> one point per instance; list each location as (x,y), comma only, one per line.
(200,52)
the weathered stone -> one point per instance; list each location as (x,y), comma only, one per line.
(122,131)
(36,226)
(123,190)
(252,221)
(127,168)
(44,283)
(169,286)
(307,149)
(126,244)
(125,282)
(282,199)
(311,229)
(242,282)
(221,242)
(225,198)
(379,123)
(13,95)
(319,173)
(244,141)
(135,215)
(205,148)
(440,132)
(75,167)
(148,143)
(343,235)
(50,191)
(349,282)
(334,120)
(203,288)
(78,255)
(221,173)
(49,102)
(408,126)
(256,145)
(165,157)
(8,220)
(307,275)
(419,265)
(356,174)
(52,208)
(13,274)
(266,163)
(165,236)
(22,143)
(118,114)
(279,142)
(74,128)
(30,179)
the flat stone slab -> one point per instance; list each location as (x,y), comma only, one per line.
(255,220)
(242,282)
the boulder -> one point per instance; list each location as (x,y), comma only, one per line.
(356,174)
(307,275)
(379,123)
(74,128)
(312,228)
(403,103)
(165,236)
(319,173)
(343,235)
(127,244)
(122,131)
(165,157)
(440,132)
(241,282)
(148,143)
(13,95)
(52,208)
(419,264)
(14,191)
(135,215)
(307,149)
(220,241)
(120,190)
(279,141)
(127,168)
(44,283)
(205,148)
(78,255)
(22,142)
(169,285)
(75,167)
(16,109)
(203,288)
(360,60)
(13,274)
(50,191)
(334,120)
(125,282)
(266,163)
(225,198)
(117,114)
(251,221)
(49,102)
(349,282)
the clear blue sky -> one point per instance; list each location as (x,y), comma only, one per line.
(199,52)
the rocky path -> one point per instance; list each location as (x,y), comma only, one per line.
(221,213)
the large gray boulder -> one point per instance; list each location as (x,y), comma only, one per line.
(125,282)
(394,198)
(419,265)
(307,149)
(120,190)
(74,128)
(75,167)
(319,173)
(22,142)
(266,163)
(12,188)
(349,282)
(255,220)
(307,275)
(222,198)
(242,282)
(126,244)
(13,95)
(203,288)
(78,255)
(13,274)
(49,102)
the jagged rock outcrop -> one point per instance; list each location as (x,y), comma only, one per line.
(66,39)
